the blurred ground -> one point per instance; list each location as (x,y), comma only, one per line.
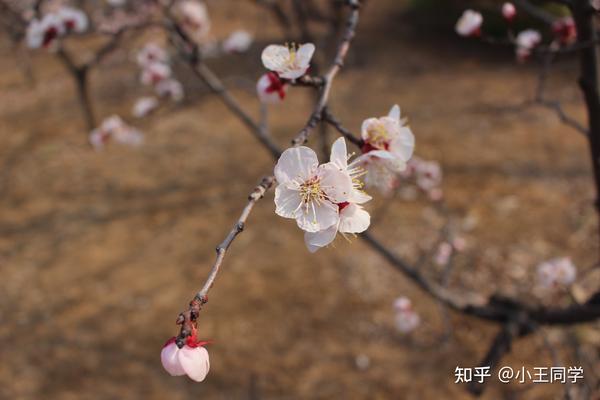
(99,252)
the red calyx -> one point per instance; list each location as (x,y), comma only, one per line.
(70,24)
(367,147)
(565,30)
(49,36)
(171,340)
(276,85)
(342,205)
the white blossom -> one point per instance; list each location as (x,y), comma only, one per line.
(469,24)
(352,217)
(151,53)
(407,319)
(193,16)
(509,12)
(526,41)
(309,192)
(388,145)
(144,106)
(114,128)
(154,73)
(44,32)
(238,42)
(170,88)
(556,272)
(289,62)
(73,20)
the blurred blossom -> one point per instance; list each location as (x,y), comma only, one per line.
(151,53)
(526,41)
(388,145)
(565,31)
(443,253)
(469,24)
(72,19)
(144,106)
(407,319)
(509,12)
(596,4)
(44,32)
(556,273)
(270,89)
(352,217)
(194,19)
(238,42)
(170,88)
(289,62)
(114,128)
(154,73)
(362,362)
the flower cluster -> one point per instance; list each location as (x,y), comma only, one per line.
(286,63)
(191,360)
(558,272)
(47,31)
(153,61)
(116,129)
(564,30)
(324,199)
(388,145)
(407,320)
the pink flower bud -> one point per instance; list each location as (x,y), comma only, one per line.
(191,360)
(509,12)
(565,31)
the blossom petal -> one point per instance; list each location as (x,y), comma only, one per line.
(336,184)
(354,219)
(315,216)
(395,112)
(194,361)
(297,162)
(304,54)
(339,154)
(315,240)
(287,201)
(403,145)
(170,361)
(274,57)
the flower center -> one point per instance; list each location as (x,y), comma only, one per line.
(311,190)
(50,35)
(377,138)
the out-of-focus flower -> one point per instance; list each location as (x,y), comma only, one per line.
(44,32)
(352,217)
(73,20)
(388,145)
(509,12)
(289,62)
(526,41)
(309,192)
(151,53)
(116,129)
(407,319)
(270,89)
(144,106)
(193,17)
(596,4)
(442,256)
(170,88)
(191,360)
(565,31)
(238,42)
(154,73)
(469,24)
(556,273)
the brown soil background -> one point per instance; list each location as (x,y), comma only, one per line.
(99,252)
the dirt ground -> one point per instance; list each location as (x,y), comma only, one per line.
(100,251)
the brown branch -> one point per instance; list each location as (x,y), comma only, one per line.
(331,120)
(188,318)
